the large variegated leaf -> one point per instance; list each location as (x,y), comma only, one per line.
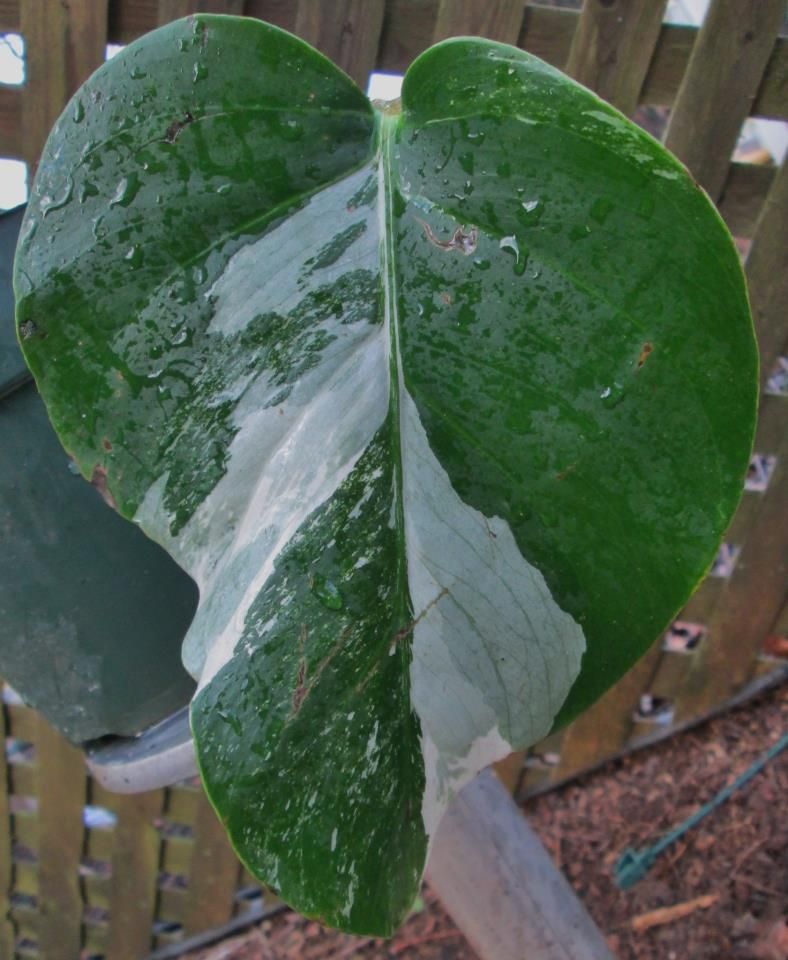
(431,405)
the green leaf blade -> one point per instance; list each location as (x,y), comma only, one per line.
(444,412)
(624,300)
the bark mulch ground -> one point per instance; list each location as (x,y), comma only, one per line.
(729,876)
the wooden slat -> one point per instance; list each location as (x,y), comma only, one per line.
(61,798)
(169,10)
(719,86)
(11,123)
(346,31)
(743,196)
(65,43)
(547,32)
(6,928)
(767,273)
(9,16)
(753,595)
(495,19)
(772,97)
(135,867)
(127,21)
(604,728)
(23,722)
(281,13)
(612,48)
(213,874)
(407,31)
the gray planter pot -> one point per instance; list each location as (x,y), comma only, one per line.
(92,613)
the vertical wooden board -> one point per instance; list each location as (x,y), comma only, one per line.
(494,19)
(62,785)
(612,48)
(407,29)
(605,727)
(213,874)
(10,16)
(537,777)
(669,64)
(64,44)
(772,98)
(11,123)
(127,21)
(135,869)
(6,875)
(766,268)
(746,188)
(752,596)
(169,10)
(346,31)
(720,84)
(547,33)
(281,13)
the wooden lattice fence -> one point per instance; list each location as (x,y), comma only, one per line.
(86,873)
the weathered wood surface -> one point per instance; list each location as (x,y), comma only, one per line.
(61,783)
(169,10)
(720,84)
(347,32)
(213,873)
(752,597)
(497,881)
(495,19)
(135,867)
(6,865)
(743,195)
(767,273)
(603,729)
(64,44)
(612,47)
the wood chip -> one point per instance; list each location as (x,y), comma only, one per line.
(656,918)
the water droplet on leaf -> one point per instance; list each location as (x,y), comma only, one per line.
(126,191)
(612,396)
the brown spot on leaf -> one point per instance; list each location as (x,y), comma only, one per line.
(463,239)
(644,354)
(99,481)
(566,471)
(106,444)
(446,298)
(174,129)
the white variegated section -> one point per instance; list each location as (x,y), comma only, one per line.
(494,656)
(285,460)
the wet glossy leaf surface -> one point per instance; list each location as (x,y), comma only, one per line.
(432,406)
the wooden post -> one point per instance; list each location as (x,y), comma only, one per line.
(495,19)
(720,84)
(65,43)
(347,31)
(500,886)
(135,867)
(213,873)
(6,863)
(169,10)
(612,48)
(767,273)
(61,786)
